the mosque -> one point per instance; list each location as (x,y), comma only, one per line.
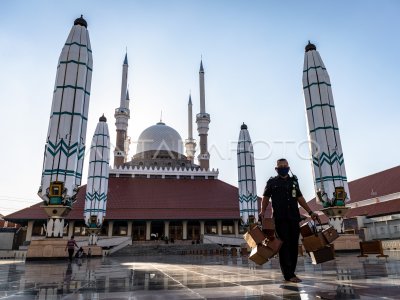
(161,192)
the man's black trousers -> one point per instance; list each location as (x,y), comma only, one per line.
(288,231)
(70,253)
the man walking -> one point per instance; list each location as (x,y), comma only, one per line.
(285,194)
(71,244)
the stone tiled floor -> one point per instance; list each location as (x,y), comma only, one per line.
(199,277)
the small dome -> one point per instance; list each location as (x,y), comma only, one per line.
(160,137)
(310,47)
(81,21)
(244,126)
(103,119)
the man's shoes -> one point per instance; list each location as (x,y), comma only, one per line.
(294,279)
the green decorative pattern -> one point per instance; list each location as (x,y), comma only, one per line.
(97,176)
(71,87)
(96,196)
(316,83)
(94,210)
(324,127)
(64,62)
(61,146)
(248,179)
(80,45)
(69,114)
(328,178)
(62,172)
(249,198)
(98,161)
(328,159)
(317,67)
(320,105)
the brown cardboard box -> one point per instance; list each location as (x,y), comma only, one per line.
(306,230)
(322,255)
(268,224)
(274,244)
(254,237)
(330,234)
(260,254)
(314,242)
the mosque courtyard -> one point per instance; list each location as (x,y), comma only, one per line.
(199,277)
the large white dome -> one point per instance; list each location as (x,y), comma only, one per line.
(160,137)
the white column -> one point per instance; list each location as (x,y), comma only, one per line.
(219,227)
(166,228)
(129,228)
(202,227)
(148,229)
(29,231)
(236,228)
(71,228)
(110,228)
(184,232)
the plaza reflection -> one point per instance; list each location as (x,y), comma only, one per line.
(193,277)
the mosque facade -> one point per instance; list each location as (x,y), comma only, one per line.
(158,193)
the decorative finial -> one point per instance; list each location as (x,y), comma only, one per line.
(310,46)
(201,65)
(190,98)
(103,118)
(161,117)
(81,21)
(244,126)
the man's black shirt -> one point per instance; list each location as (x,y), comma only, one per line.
(284,193)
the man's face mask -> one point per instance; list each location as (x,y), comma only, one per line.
(283,171)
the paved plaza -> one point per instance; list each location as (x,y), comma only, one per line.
(199,277)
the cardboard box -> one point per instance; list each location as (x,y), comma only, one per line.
(322,255)
(260,254)
(306,229)
(268,224)
(330,234)
(314,242)
(274,244)
(254,237)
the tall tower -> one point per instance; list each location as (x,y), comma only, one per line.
(97,183)
(203,120)
(66,136)
(190,143)
(246,177)
(326,149)
(122,115)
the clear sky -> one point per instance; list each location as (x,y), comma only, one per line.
(253,58)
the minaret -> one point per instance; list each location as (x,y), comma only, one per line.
(326,149)
(66,137)
(246,177)
(190,143)
(203,120)
(122,115)
(97,183)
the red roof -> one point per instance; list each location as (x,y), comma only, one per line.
(372,186)
(153,198)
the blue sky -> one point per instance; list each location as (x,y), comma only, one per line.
(253,57)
